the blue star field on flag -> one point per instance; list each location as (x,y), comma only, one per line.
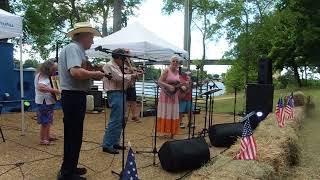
(130,171)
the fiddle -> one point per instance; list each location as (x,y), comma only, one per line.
(87,65)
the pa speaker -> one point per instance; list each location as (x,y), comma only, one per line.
(224,135)
(265,71)
(98,102)
(183,155)
(259,98)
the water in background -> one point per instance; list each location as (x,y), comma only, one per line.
(149,88)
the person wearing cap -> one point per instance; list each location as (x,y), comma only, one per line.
(75,82)
(115,91)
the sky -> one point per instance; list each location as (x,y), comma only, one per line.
(170,28)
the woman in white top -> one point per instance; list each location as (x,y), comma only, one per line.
(44,99)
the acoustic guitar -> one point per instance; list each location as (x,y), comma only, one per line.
(55,84)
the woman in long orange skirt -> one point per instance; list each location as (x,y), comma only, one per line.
(168,104)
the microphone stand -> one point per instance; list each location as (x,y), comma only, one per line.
(234,105)
(195,104)
(123,121)
(99,48)
(192,112)
(154,150)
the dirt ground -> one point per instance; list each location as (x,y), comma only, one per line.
(21,157)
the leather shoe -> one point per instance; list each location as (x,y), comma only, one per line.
(119,147)
(110,150)
(72,177)
(81,171)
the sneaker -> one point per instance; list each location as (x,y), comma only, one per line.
(110,150)
(182,126)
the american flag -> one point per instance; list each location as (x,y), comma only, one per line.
(289,111)
(130,170)
(248,144)
(280,115)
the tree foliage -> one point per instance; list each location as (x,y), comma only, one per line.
(31,63)
(47,22)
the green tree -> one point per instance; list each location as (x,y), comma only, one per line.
(31,63)
(151,73)
(46,22)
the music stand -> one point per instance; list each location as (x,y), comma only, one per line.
(0,125)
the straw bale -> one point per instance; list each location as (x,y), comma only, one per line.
(299,98)
(224,167)
(278,150)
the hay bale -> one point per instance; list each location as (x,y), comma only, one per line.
(299,98)
(278,151)
(224,167)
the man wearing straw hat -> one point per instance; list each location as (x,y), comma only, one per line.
(75,83)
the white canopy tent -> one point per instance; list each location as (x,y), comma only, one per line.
(11,26)
(141,42)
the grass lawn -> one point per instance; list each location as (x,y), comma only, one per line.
(225,104)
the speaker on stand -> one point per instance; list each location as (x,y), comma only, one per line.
(265,71)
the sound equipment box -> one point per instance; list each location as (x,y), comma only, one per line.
(98,101)
(259,98)
(265,71)
(225,135)
(184,155)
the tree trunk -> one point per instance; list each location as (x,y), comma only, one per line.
(105,21)
(305,73)
(75,12)
(187,24)
(4,4)
(296,74)
(117,7)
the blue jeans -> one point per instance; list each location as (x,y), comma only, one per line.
(113,131)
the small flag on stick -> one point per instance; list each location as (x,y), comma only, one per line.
(280,115)
(289,111)
(130,171)
(248,144)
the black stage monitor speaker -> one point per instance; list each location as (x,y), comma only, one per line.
(224,135)
(265,71)
(183,155)
(259,98)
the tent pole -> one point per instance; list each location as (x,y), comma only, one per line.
(142,93)
(21,90)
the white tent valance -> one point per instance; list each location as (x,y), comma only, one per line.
(140,41)
(10,25)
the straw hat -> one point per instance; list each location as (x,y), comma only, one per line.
(82,27)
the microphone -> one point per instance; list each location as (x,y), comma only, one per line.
(100,48)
